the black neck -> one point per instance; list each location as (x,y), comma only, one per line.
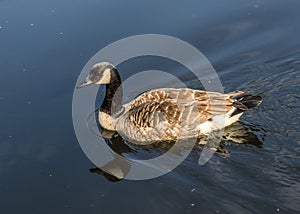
(114,95)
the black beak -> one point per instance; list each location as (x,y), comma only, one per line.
(85,83)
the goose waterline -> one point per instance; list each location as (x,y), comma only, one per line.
(165,114)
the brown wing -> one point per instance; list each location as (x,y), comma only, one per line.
(150,117)
(163,114)
(153,108)
(210,104)
(183,104)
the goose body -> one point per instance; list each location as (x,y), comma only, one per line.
(165,114)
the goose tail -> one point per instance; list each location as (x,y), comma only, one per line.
(246,102)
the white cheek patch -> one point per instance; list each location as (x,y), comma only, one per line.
(105,77)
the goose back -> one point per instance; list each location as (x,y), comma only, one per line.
(168,114)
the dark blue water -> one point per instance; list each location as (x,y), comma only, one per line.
(253,46)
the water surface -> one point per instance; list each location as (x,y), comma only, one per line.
(253,46)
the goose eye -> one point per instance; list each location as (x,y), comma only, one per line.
(95,76)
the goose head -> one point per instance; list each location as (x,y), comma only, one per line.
(101,73)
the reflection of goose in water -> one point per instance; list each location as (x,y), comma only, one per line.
(236,133)
(165,114)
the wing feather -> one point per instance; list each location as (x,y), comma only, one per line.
(162,112)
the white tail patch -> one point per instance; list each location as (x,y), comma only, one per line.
(218,122)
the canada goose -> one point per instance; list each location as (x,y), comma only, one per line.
(165,114)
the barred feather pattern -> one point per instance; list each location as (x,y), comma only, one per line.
(169,114)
